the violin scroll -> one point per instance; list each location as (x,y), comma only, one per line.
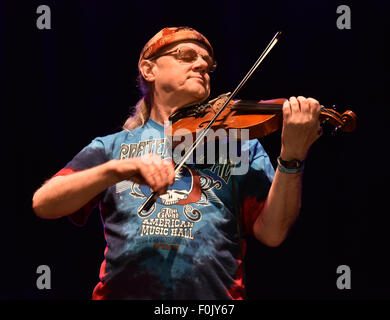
(345,122)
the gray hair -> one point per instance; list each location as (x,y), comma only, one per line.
(141,114)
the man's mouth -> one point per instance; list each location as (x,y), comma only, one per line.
(198,77)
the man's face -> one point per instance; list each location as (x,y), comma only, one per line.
(185,82)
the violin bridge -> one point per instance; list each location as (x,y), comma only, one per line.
(223,95)
(217,103)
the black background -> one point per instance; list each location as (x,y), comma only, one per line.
(63,87)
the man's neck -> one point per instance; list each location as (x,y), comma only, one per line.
(161,109)
(160,113)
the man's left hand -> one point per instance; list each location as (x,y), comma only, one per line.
(301,127)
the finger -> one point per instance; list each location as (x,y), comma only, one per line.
(294,105)
(286,109)
(152,172)
(149,178)
(316,112)
(315,106)
(154,164)
(304,104)
(169,171)
(160,176)
(166,173)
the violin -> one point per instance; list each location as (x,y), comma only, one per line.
(261,118)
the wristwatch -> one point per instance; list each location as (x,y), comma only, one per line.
(292,166)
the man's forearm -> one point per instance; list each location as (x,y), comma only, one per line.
(280,210)
(64,195)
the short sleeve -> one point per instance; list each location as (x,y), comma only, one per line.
(254,186)
(91,156)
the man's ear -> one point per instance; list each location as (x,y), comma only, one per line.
(146,69)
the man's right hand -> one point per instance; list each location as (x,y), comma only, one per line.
(150,169)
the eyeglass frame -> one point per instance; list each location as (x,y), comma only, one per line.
(176,52)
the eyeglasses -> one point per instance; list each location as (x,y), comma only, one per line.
(189,55)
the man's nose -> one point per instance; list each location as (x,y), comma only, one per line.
(200,64)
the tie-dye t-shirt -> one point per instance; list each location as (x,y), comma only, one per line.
(187,245)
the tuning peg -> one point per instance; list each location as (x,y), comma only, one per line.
(336,130)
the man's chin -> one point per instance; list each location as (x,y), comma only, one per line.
(193,96)
(200,97)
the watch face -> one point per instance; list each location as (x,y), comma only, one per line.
(293,164)
(289,164)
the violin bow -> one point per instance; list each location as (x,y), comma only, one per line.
(153,197)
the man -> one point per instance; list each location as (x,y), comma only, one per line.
(187,245)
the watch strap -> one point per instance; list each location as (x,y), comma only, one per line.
(292,166)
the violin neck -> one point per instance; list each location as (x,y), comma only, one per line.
(261,107)
(255,106)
